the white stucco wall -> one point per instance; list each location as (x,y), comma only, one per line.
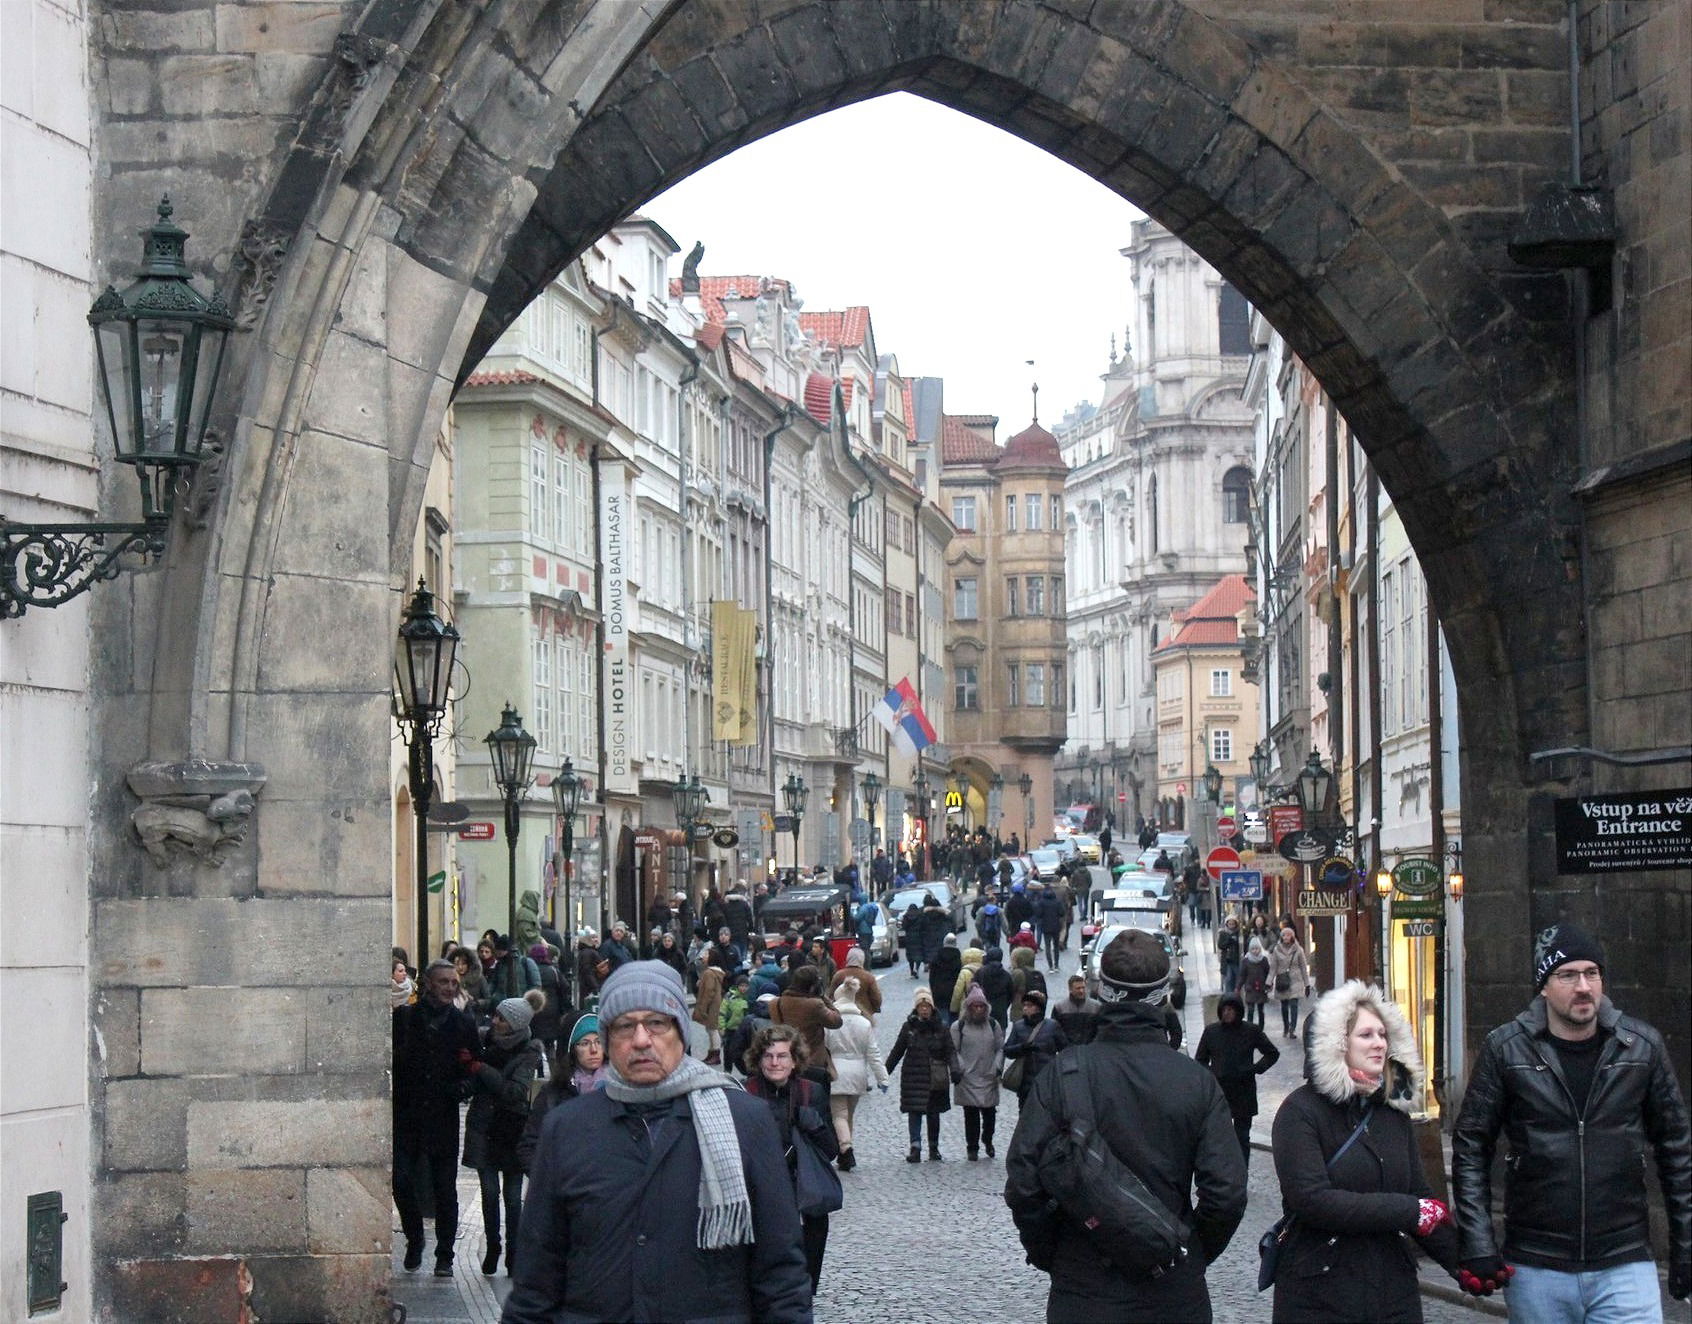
(46,474)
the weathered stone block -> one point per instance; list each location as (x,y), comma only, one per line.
(246,1212)
(140,1213)
(348,1210)
(332,1289)
(117,1031)
(175,942)
(331,1133)
(127,86)
(279,27)
(198,1291)
(146,1124)
(208,85)
(321,746)
(314,849)
(339,1026)
(154,31)
(174,1021)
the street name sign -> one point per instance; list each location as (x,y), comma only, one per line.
(482,831)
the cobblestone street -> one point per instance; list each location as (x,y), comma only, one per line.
(926,1243)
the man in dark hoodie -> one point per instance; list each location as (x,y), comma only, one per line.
(1237,1053)
(1163,1116)
(995,981)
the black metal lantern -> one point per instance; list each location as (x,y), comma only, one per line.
(161,346)
(513,752)
(691,797)
(1212,784)
(567,792)
(567,799)
(794,793)
(1259,761)
(872,789)
(1025,784)
(1314,782)
(424,654)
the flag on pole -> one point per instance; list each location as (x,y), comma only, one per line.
(902,715)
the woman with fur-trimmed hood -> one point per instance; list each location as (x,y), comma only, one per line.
(1350,1253)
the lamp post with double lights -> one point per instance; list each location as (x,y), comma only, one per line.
(1025,784)
(513,752)
(794,793)
(871,786)
(424,655)
(567,799)
(920,810)
(691,797)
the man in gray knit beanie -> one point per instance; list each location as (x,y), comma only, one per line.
(665,1195)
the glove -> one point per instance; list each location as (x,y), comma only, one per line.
(467,1062)
(957,1078)
(1680,1280)
(1483,1276)
(1431,1215)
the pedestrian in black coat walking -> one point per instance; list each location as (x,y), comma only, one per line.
(943,974)
(995,981)
(1237,1053)
(924,1085)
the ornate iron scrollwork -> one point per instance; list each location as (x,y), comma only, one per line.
(46,565)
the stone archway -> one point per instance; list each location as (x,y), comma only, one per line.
(457,155)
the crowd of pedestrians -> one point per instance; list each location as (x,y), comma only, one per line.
(623,1177)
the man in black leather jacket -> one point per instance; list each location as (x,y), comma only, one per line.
(1580,1090)
(1162,1115)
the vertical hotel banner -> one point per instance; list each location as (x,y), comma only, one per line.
(734,673)
(617,685)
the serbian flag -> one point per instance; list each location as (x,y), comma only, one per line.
(904,719)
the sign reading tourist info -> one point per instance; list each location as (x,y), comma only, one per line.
(617,684)
(1624,833)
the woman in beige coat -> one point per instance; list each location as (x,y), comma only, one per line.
(1289,977)
(708,1009)
(857,1066)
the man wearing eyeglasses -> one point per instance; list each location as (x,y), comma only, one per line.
(663,1196)
(1580,1091)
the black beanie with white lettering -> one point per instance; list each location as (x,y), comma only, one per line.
(1560,944)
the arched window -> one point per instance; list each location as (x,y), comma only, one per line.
(1236,496)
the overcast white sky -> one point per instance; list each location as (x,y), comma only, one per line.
(979,253)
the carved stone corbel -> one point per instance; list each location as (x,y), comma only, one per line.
(196,809)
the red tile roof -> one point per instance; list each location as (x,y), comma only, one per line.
(958,445)
(819,395)
(1034,447)
(714,289)
(516,377)
(910,411)
(978,420)
(1213,619)
(843,327)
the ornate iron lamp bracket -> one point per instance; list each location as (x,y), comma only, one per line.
(46,565)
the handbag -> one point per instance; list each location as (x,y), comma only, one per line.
(816,1185)
(1013,1074)
(1283,982)
(1270,1243)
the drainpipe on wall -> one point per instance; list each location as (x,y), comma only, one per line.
(768,678)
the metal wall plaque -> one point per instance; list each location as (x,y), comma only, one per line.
(46,1248)
(1624,833)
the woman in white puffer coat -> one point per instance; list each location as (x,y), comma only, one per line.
(857,1067)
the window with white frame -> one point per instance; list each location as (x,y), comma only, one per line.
(1221,682)
(1221,744)
(1098,675)
(1389,652)
(1057,511)
(1010,514)
(545,734)
(564,668)
(965,688)
(1013,685)
(1036,595)
(963,513)
(1010,596)
(1035,689)
(562,506)
(964,606)
(1035,501)
(539,490)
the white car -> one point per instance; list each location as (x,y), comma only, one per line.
(1095,947)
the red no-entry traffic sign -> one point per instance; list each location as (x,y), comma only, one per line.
(1226,826)
(1221,860)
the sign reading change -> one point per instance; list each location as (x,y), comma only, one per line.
(1624,833)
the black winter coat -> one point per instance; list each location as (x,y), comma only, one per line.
(996,985)
(499,1106)
(1572,1201)
(430,1079)
(617,1238)
(1237,1055)
(943,973)
(1163,1115)
(932,927)
(1040,1042)
(926,1050)
(1352,1251)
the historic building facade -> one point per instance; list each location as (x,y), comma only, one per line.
(1156,509)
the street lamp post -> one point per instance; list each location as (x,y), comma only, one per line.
(691,798)
(919,805)
(566,799)
(1212,784)
(1025,784)
(423,659)
(872,797)
(996,804)
(513,752)
(1259,761)
(960,785)
(794,793)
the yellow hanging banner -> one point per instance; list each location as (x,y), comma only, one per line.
(734,673)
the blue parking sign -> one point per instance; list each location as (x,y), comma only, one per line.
(1242,885)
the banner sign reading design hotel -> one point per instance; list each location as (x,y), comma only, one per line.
(617,684)
(1617,833)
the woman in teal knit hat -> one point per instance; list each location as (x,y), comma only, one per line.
(583,1070)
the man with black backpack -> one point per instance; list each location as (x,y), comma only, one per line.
(1108,1144)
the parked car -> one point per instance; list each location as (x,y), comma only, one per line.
(884,941)
(951,901)
(1064,846)
(1092,949)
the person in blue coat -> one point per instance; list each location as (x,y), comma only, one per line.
(687,1211)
